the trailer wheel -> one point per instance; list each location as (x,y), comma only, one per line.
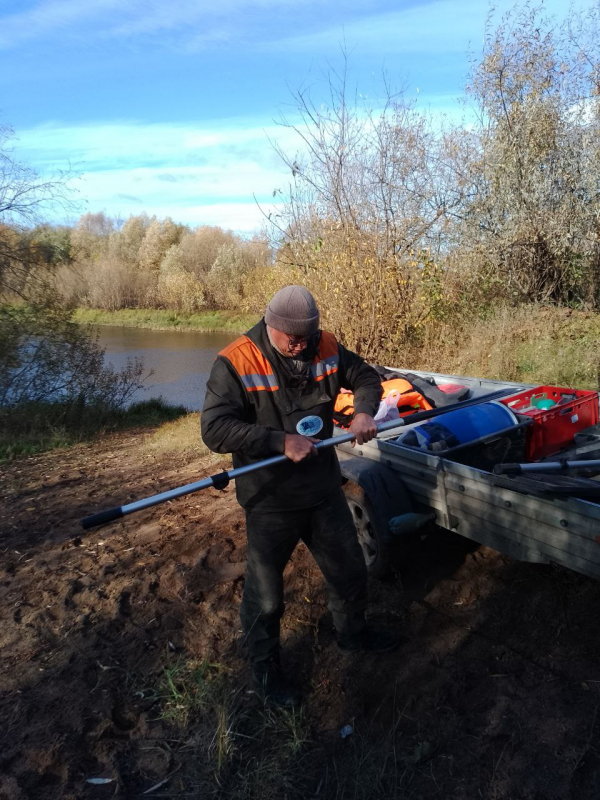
(370,536)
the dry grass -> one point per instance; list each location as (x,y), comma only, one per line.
(240,743)
(180,436)
(532,344)
(245,750)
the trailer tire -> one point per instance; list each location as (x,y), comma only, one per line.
(371,538)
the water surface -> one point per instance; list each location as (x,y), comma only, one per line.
(181,360)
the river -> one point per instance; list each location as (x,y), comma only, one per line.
(180,360)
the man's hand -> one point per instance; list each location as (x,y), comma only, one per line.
(364,428)
(297,447)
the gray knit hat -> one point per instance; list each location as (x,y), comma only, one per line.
(293,311)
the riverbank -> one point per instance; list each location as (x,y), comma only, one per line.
(121,661)
(39,427)
(165,320)
(530,344)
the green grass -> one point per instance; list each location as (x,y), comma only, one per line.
(38,427)
(240,740)
(163,320)
(188,688)
(234,746)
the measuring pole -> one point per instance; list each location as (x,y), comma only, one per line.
(221,479)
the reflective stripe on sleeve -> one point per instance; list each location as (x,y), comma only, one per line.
(257,382)
(326,367)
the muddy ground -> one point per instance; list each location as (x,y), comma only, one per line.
(121,658)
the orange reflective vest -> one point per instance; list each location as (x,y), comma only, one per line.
(256,371)
(253,399)
(409,401)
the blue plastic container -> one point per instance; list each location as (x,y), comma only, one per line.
(464,424)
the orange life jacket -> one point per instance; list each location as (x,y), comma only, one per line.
(409,401)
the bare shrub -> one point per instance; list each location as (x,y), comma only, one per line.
(377,303)
(529,215)
(259,286)
(181,291)
(172,262)
(110,284)
(225,281)
(124,244)
(258,251)
(199,248)
(159,237)
(71,284)
(90,237)
(45,357)
(361,208)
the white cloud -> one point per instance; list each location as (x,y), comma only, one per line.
(108,143)
(85,20)
(402,31)
(244,218)
(433,28)
(52,16)
(194,174)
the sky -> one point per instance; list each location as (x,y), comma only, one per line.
(171,107)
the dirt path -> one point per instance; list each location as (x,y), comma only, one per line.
(120,657)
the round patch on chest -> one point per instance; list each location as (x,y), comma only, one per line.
(309,426)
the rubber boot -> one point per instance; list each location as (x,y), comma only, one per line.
(271,685)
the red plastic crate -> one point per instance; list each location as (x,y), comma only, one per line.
(553,429)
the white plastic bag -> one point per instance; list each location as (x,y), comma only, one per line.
(388,408)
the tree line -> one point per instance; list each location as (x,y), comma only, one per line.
(147,262)
(402,223)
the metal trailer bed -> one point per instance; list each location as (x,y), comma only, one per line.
(385,480)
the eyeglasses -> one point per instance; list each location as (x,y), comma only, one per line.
(296,341)
(305,342)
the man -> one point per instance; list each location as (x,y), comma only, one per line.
(273,391)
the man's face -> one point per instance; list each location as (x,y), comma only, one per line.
(288,344)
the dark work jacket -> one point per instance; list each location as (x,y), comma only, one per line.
(250,406)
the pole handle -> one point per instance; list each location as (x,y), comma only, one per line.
(508,469)
(101,518)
